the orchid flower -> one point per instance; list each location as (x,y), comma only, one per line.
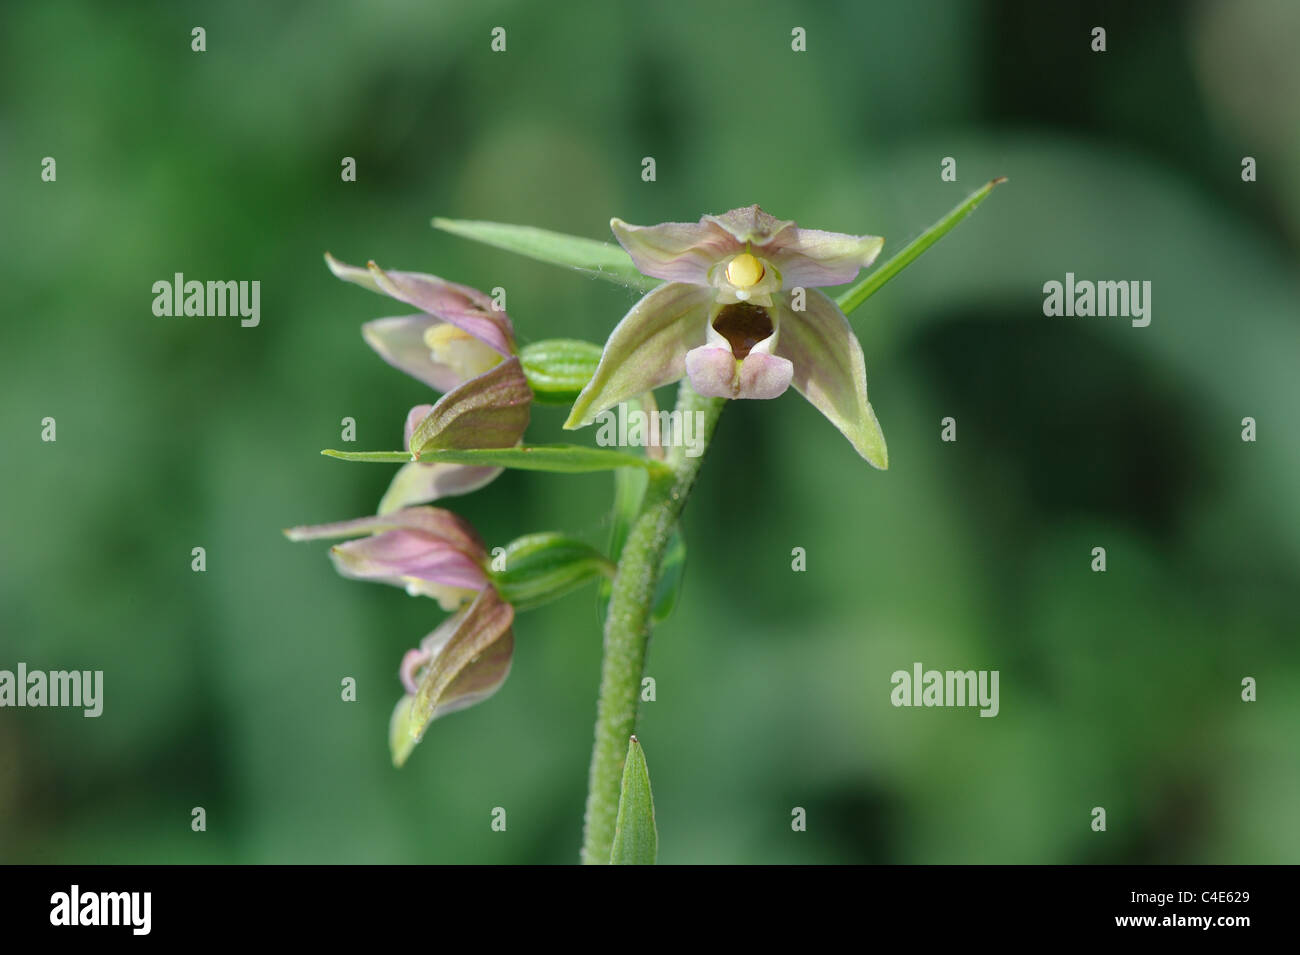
(489,411)
(429,551)
(462,345)
(458,335)
(729,319)
(739,314)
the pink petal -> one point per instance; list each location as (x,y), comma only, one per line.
(413,419)
(435,522)
(400,342)
(398,554)
(423,483)
(489,411)
(811,258)
(750,225)
(467,308)
(715,373)
(830,372)
(471,655)
(675,251)
(411,663)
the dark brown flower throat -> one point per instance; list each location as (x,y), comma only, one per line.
(743,326)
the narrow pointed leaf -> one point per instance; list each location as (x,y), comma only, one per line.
(587,255)
(670,578)
(912,251)
(563,458)
(636,840)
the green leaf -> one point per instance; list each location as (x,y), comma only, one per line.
(636,840)
(604,259)
(563,458)
(540,568)
(558,369)
(670,578)
(912,251)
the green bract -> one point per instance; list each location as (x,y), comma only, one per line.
(636,837)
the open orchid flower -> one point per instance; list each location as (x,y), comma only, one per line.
(429,551)
(489,411)
(728,318)
(458,335)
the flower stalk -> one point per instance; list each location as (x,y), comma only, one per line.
(627,625)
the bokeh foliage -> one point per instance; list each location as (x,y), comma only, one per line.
(222,688)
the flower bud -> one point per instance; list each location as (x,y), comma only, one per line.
(559,368)
(541,567)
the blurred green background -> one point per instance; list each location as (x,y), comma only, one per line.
(1119,690)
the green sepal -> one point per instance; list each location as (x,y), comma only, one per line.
(671,574)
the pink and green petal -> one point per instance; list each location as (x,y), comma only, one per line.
(470,660)
(400,342)
(413,419)
(409,668)
(829,370)
(647,349)
(750,225)
(395,556)
(811,258)
(490,411)
(467,308)
(434,522)
(353,274)
(423,483)
(675,251)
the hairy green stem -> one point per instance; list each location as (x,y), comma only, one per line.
(627,622)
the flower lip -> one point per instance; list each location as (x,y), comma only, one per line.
(743,326)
